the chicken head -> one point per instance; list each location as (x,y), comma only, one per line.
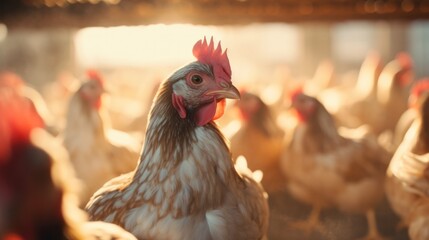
(92,90)
(200,88)
(303,104)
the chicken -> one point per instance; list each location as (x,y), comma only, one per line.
(95,154)
(360,106)
(14,81)
(393,91)
(407,181)
(334,95)
(407,118)
(185,185)
(259,140)
(325,169)
(322,79)
(36,189)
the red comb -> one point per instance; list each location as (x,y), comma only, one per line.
(295,92)
(420,87)
(95,75)
(18,118)
(405,60)
(207,54)
(11,80)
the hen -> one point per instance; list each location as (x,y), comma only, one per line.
(323,78)
(259,140)
(185,185)
(359,106)
(393,91)
(325,169)
(15,82)
(421,86)
(36,189)
(95,155)
(407,181)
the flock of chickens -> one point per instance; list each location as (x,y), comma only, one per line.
(343,146)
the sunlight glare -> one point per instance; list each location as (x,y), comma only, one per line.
(272,94)
(139,45)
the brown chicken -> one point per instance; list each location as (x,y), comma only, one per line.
(96,156)
(36,190)
(407,184)
(185,185)
(259,140)
(325,169)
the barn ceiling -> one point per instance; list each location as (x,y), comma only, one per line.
(83,13)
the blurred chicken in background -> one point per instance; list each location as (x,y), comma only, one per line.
(419,88)
(15,82)
(37,199)
(97,152)
(359,105)
(378,98)
(259,140)
(393,90)
(325,169)
(323,78)
(407,184)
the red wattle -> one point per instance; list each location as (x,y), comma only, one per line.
(220,109)
(206,113)
(97,103)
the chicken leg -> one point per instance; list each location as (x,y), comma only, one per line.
(312,223)
(373,233)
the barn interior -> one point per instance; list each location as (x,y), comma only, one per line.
(273,46)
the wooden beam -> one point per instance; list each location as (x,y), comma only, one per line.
(206,12)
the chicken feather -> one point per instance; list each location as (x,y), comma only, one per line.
(95,156)
(325,169)
(407,183)
(185,185)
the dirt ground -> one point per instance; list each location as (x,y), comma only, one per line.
(339,226)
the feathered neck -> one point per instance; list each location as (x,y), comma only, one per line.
(368,76)
(367,82)
(84,123)
(422,144)
(168,136)
(320,131)
(177,155)
(389,84)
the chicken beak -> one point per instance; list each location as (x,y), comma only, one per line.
(230,92)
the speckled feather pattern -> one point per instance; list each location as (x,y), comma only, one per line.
(185,185)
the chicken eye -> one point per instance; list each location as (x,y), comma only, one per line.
(196,79)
